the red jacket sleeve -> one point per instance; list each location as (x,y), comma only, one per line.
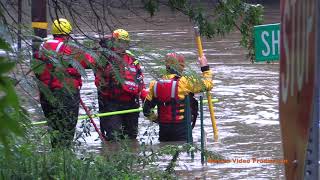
(88,59)
(84,58)
(144,94)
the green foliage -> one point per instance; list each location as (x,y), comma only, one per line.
(151,6)
(58,164)
(252,17)
(4,45)
(37,66)
(9,103)
(32,158)
(225,17)
(153,61)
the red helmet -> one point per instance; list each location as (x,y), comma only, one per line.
(175,60)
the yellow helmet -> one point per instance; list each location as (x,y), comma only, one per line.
(121,34)
(61,26)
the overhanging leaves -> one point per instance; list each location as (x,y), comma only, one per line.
(224,17)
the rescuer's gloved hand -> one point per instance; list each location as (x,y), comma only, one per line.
(153,117)
(203,61)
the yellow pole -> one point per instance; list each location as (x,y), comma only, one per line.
(213,119)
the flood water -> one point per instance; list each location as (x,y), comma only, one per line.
(247,112)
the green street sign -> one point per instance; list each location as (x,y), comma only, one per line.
(267,42)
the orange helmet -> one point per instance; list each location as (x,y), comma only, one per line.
(175,61)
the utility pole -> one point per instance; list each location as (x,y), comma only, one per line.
(19,24)
(39,21)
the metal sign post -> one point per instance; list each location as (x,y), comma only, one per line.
(202,129)
(311,170)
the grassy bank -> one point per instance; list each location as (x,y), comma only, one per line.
(31,157)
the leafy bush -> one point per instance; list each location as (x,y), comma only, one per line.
(32,158)
(10,110)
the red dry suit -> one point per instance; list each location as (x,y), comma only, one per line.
(121,80)
(171,109)
(58,49)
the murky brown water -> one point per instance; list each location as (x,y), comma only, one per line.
(247,114)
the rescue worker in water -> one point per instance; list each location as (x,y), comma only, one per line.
(169,93)
(120,85)
(60,103)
